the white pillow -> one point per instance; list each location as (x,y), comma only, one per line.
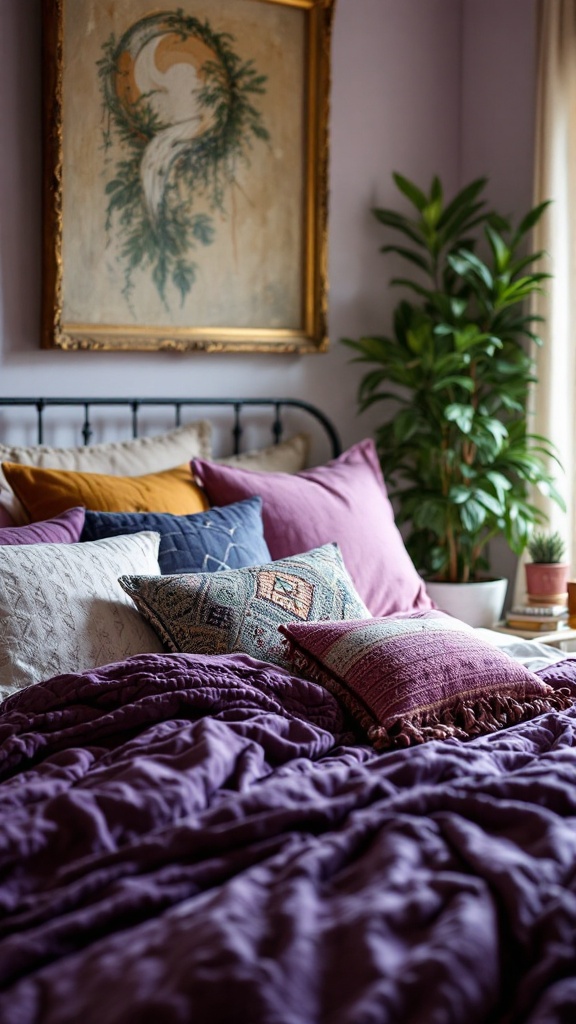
(63,610)
(119,458)
(285,457)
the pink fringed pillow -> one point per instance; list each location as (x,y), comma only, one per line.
(409,680)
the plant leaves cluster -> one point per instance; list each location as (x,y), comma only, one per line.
(164,244)
(453,377)
(546,548)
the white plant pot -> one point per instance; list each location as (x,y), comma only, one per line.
(478,604)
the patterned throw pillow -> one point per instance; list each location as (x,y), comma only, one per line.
(241,609)
(221,538)
(409,680)
(62,610)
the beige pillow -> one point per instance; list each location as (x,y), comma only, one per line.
(118,458)
(63,610)
(285,457)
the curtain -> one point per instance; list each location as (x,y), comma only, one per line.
(553,402)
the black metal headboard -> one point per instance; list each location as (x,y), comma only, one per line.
(236,406)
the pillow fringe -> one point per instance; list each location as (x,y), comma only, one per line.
(466,719)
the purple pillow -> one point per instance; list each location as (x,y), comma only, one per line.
(63,529)
(343,501)
(412,679)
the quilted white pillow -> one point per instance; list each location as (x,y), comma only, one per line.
(119,458)
(63,610)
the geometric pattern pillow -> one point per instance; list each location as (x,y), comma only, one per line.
(62,609)
(62,529)
(241,609)
(410,680)
(221,538)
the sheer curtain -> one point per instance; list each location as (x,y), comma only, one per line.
(553,411)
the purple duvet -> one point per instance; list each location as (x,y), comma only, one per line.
(197,839)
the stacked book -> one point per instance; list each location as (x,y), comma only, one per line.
(532,618)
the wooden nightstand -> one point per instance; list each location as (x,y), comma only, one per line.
(555,638)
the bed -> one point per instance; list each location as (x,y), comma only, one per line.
(248,773)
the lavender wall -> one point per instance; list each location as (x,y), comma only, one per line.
(497,128)
(498,97)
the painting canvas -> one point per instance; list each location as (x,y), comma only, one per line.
(186,151)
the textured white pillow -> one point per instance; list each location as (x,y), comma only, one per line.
(285,457)
(119,458)
(63,610)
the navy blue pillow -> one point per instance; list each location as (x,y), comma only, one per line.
(227,537)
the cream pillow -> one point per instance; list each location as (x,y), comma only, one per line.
(63,610)
(285,457)
(122,458)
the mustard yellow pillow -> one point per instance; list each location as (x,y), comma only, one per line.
(45,493)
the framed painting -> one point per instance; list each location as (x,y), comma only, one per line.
(185,152)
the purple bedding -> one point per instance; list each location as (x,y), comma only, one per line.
(197,839)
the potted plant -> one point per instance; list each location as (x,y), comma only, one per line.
(453,377)
(547,573)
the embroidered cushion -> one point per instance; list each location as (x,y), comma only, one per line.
(63,529)
(221,538)
(241,609)
(48,492)
(118,458)
(62,609)
(344,501)
(418,678)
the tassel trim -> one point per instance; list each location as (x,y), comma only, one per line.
(464,720)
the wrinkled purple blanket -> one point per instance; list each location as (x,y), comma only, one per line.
(195,839)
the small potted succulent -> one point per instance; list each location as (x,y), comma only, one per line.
(547,573)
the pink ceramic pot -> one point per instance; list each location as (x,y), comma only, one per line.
(547,581)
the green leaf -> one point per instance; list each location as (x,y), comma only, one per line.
(408,254)
(467,264)
(414,194)
(495,428)
(459,495)
(472,515)
(418,288)
(463,200)
(496,507)
(531,219)
(431,213)
(440,383)
(461,415)
(405,425)
(400,223)
(502,254)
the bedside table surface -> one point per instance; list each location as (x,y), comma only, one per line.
(554,637)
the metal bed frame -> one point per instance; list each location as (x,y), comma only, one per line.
(236,406)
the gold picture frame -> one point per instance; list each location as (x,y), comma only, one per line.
(185,147)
